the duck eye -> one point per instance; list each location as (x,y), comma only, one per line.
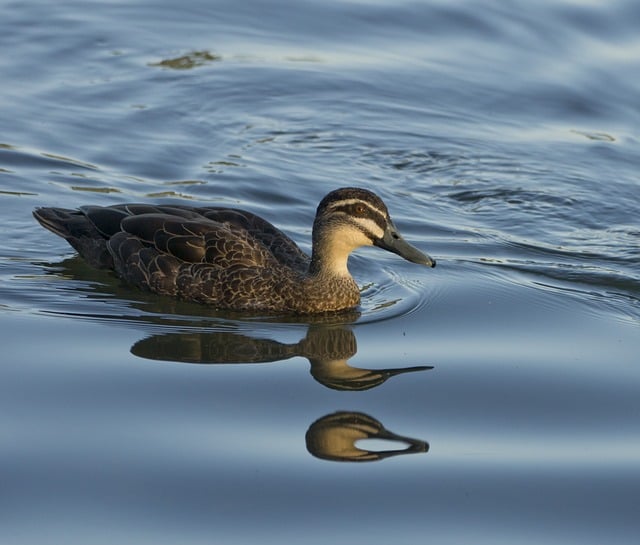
(360,209)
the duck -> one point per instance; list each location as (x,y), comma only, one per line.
(233,259)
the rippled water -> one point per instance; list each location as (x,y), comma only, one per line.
(493,399)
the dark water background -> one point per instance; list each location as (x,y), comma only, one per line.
(503,137)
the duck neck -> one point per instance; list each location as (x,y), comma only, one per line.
(329,258)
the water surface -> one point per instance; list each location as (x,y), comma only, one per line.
(493,399)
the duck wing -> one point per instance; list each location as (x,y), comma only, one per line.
(194,240)
(107,220)
(197,259)
(209,254)
(281,246)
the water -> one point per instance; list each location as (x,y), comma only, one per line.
(493,399)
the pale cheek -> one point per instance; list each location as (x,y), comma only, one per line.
(355,239)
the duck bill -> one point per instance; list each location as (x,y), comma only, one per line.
(393,241)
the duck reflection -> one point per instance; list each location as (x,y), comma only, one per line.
(335,437)
(328,345)
(327,348)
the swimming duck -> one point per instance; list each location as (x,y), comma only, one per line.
(233,259)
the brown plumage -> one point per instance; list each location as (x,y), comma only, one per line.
(233,259)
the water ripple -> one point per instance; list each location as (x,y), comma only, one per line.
(393,294)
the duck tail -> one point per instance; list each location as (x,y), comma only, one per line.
(57,220)
(78,230)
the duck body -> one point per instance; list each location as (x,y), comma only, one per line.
(233,259)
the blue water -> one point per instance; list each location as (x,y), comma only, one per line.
(494,399)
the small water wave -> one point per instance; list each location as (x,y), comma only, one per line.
(524,199)
(600,276)
(393,294)
(595,289)
(18,157)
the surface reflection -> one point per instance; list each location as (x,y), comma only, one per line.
(328,349)
(335,437)
(192,333)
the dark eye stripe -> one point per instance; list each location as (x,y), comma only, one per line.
(361,210)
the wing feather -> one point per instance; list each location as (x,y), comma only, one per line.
(198,241)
